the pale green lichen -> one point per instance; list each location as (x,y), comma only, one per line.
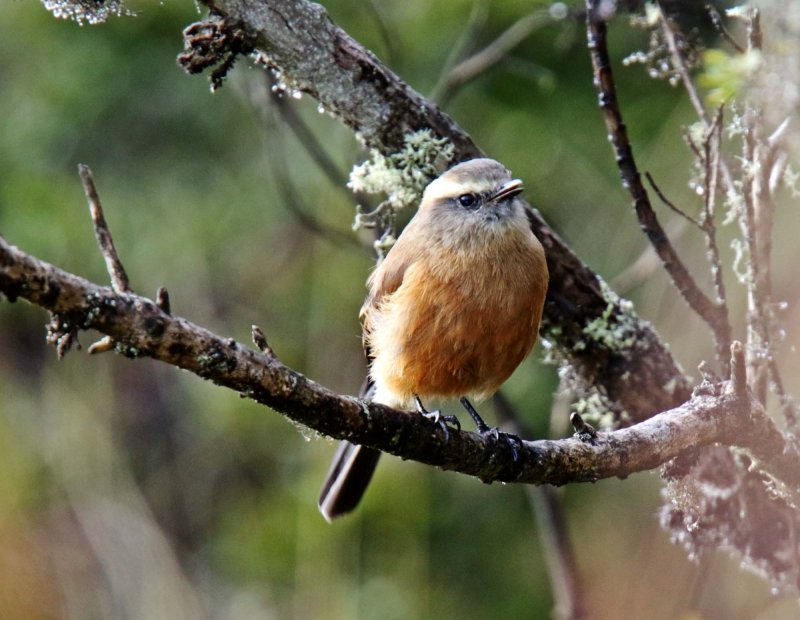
(591,401)
(617,328)
(725,75)
(594,409)
(401,177)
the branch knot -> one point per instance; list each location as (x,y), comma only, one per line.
(214,42)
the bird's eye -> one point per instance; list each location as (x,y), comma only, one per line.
(467,200)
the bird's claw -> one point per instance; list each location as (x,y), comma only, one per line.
(442,421)
(511,440)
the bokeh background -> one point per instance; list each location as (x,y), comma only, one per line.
(130,489)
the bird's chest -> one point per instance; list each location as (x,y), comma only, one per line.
(471,318)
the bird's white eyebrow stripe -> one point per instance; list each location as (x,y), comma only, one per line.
(447,188)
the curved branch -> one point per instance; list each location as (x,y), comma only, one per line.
(713,313)
(317,57)
(140,327)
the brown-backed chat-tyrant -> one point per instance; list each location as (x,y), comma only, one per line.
(451,311)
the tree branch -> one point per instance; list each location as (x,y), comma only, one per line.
(318,58)
(140,327)
(715,315)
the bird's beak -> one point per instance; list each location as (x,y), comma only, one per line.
(507,190)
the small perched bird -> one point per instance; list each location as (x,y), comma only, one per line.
(451,311)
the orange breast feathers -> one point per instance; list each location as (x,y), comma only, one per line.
(454,308)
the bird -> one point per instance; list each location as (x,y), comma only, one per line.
(451,311)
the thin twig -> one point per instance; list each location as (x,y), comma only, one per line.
(647,263)
(558,550)
(788,406)
(757,333)
(119,279)
(710,159)
(562,567)
(669,203)
(714,315)
(716,19)
(312,146)
(290,197)
(470,31)
(670,35)
(308,140)
(493,53)
(738,370)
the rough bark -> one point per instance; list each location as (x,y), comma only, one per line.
(139,327)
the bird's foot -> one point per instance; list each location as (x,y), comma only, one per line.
(442,421)
(512,441)
(438,418)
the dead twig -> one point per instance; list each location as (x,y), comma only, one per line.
(116,271)
(119,279)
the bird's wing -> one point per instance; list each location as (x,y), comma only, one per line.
(385,280)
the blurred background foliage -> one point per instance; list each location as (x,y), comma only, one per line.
(131,489)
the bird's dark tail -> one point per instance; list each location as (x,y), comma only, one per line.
(347,480)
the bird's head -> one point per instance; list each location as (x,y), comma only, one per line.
(479,191)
